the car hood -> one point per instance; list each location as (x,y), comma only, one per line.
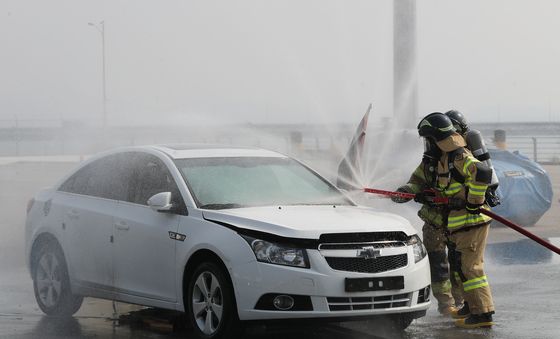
(309,222)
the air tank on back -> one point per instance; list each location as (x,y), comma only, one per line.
(476,144)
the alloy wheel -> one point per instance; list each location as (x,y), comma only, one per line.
(49,280)
(207,303)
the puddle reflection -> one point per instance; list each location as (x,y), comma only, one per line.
(522,252)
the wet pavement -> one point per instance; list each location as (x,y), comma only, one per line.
(525,281)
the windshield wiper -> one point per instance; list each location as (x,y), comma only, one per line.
(318,204)
(220,206)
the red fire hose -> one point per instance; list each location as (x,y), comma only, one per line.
(492,215)
(437,200)
(521,230)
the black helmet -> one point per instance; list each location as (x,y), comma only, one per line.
(459,121)
(436,125)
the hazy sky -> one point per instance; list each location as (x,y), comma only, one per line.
(274,61)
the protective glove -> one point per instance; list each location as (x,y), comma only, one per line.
(456,204)
(473,208)
(426,197)
(400,200)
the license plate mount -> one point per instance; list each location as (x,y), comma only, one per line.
(373,284)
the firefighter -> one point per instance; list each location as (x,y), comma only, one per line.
(447,292)
(476,145)
(461,177)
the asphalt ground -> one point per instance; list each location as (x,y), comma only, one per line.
(525,281)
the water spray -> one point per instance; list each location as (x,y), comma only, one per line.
(445,201)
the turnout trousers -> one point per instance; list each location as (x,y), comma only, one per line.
(467,262)
(446,289)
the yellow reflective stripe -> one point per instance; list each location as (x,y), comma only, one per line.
(480,194)
(453,222)
(472,217)
(475,283)
(485,218)
(457,223)
(468,162)
(452,192)
(477,187)
(475,280)
(477,190)
(475,218)
(459,217)
(454,187)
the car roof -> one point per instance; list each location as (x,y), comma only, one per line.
(184,151)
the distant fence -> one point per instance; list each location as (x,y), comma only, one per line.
(21,138)
(541,149)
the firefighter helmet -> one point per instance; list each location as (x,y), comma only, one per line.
(436,125)
(459,121)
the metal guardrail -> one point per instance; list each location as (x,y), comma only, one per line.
(541,149)
(22,138)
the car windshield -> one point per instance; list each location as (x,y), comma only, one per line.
(232,182)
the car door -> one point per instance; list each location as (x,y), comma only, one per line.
(144,252)
(89,199)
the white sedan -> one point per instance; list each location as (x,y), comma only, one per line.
(227,235)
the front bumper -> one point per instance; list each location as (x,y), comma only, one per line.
(326,288)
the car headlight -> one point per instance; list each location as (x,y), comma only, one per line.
(417,247)
(278,254)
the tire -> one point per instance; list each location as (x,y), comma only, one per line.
(51,283)
(210,303)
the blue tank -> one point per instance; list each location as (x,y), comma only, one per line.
(525,189)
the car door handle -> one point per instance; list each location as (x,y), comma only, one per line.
(73,214)
(121,225)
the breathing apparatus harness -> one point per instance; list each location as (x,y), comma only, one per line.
(475,144)
(430,159)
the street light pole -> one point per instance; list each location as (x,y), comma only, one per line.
(101,29)
(405,82)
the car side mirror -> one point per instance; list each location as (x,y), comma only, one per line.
(161,202)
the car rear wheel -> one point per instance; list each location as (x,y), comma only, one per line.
(52,284)
(211,307)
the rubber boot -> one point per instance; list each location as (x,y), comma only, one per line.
(447,310)
(461,313)
(442,293)
(476,321)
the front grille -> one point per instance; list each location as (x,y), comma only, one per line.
(362,265)
(358,245)
(362,237)
(368,303)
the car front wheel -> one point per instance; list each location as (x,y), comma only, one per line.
(52,284)
(211,303)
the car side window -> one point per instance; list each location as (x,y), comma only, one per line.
(151,176)
(77,182)
(102,178)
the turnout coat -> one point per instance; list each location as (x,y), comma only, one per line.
(460,175)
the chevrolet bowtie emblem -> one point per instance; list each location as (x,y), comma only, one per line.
(368,252)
